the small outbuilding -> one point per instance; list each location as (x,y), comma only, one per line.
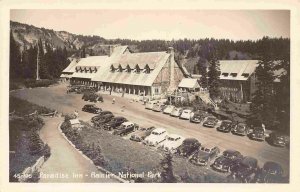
(75,123)
(189,85)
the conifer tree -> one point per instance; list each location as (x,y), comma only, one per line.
(214,76)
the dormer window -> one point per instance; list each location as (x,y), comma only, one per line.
(245,74)
(147,69)
(137,69)
(128,69)
(233,74)
(95,69)
(120,69)
(112,68)
(225,74)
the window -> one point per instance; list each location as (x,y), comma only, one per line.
(112,68)
(120,68)
(225,74)
(245,74)
(233,74)
(137,69)
(147,69)
(128,69)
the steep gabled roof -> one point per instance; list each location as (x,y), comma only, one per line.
(156,59)
(189,83)
(237,69)
(71,67)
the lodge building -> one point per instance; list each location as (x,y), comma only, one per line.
(149,73)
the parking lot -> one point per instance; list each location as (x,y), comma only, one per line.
(56,98)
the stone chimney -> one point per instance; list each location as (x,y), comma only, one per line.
(172,64)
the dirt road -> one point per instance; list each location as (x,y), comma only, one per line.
(65,163)
(56,98)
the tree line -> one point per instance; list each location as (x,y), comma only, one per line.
(23,64)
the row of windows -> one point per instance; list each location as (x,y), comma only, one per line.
(235,74)
(128,69)
(90,70)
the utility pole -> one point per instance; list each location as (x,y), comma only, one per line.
(37,63)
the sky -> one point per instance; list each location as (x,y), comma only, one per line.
(161,24)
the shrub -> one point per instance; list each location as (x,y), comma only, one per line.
(32,83)
(36,145)
(47,151)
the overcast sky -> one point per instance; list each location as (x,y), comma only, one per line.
(162,24)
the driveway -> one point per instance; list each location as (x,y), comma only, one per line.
(65,163)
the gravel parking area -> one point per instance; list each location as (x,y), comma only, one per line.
(55,97)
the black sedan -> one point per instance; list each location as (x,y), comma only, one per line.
(188,147)
(114,123)
(204,155)
(91,108)
(232,154)
(245,170)
(271,172)
(223,164)
(257,134)
(196,118)
(103,119)
(241,129)
(278,139)
(226,126)
(211,121)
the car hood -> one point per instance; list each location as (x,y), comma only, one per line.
(172,144)
(153,138)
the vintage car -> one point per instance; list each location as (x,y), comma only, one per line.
(211,121)
(91,108)
(205,155)
(168,109)
(150,104)
(102,113)
(223,164)
(271,172)
(176,112)
(103,119)
(240,129)
(196,118)
(158,107)
(141,134)
(257,134)
(172,142)
(125,128)
(278,139)
(245,170)
(114,123)
(232,154)
(157,136)
(225,126)
(189,146)
(186,114)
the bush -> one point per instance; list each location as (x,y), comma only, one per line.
(36,145)
(47,151)
(32,83)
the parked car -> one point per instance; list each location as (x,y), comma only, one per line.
(197,118)
(232,154)
(99,116)
(257,134)
(172,142)
(91,108)
(176,112)
(278,139)
(150,104)
(157,136)
(240,129)
(189,146)
(103,119)
(211,121)
(223,164)
(245,170)
(141,134)
(271,172)
(158,107)
(205,155)
(186,114)
(114,123)
(226,126)
(125,128)
(168,109)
